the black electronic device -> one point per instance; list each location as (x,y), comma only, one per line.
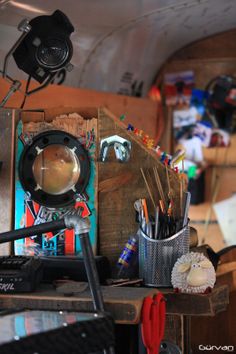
(73,268)
(19,273)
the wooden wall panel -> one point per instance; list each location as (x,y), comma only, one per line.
(220,45)
(218,330)
(7,133)
(124,184)
(141,112)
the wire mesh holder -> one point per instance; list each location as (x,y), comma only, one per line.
(157,257)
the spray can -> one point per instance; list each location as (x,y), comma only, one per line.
(128,260)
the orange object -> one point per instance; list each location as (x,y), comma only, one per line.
(145,210)
(162,206)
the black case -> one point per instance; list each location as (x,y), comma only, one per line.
(73,268)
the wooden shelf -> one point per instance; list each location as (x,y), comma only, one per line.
(124,303)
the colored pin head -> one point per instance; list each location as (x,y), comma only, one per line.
(145,139)
(130,127)
(150,143)
(163,156)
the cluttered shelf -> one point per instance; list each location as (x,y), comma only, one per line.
(123,303)
(200,119)
(149,179)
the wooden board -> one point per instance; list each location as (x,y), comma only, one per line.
(174,330)
(142,112)
(223,155)
(226,274)
(123,303)
(123,185)
(167,140)
(198,304)
(8,119)
(218,330)
(215,46)
(229,256)
(28,213)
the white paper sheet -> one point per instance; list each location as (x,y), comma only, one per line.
(225,213)
(193,149)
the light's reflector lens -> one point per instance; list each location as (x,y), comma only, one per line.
(56,169)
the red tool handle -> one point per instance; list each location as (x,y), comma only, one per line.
(153,322)
(146,322)
(159,298)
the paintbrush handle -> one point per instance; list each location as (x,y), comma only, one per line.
(186,208)
(156,223)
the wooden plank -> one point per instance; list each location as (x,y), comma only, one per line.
(167,141)
(141,112)
(221,155)
(213,237)
(123,303)
(174,330)
(229,256)
(226,274)
(227,185)
(221,44)
(218,330)
(8,118)
(228,278)
(116,211)
(226,267)
(197,304)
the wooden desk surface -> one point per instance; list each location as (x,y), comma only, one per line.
(123,303)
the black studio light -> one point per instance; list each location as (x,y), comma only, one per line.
(43,49)
(47,47)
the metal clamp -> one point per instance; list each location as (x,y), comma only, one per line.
(122,148)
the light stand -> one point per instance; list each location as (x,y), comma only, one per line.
(81,227)
(23,27)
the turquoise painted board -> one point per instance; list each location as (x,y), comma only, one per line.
(28,212)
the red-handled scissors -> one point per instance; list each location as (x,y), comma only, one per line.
(153,322)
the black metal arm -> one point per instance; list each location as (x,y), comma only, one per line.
(82,228)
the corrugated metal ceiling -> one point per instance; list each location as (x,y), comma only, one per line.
(120,45)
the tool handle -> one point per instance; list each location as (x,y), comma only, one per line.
(162,316)
(146,323)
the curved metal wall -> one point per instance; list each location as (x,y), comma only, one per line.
(120,45)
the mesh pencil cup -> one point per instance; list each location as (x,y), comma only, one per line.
(157,257)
